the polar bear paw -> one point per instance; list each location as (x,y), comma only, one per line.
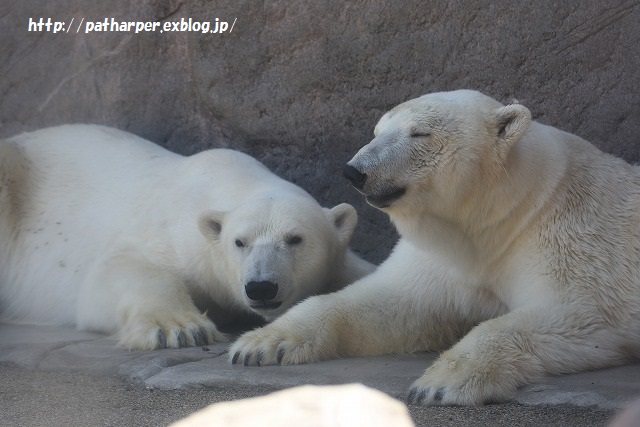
(268,346)
(460,382)
(171,330)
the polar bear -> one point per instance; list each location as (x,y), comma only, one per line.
(110,232)
(520,248)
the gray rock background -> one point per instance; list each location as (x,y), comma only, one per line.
(300,85)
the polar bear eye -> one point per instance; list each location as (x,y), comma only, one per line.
(239,243)
(420,134)
(294,240)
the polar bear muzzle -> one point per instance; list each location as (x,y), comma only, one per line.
(380,199)
(385,200)
(356,177)
(262,293)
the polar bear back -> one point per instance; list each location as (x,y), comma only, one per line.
(102,165)
(60,185)
(240,177)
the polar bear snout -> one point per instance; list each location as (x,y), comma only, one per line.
(370,173)
(386,198)
(262,292)
(356,177)
(380,195)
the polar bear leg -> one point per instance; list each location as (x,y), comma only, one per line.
(501,354)
(147,307)
(323,327)
(407,304)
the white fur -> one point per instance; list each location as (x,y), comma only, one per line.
(520,242)
(107,231)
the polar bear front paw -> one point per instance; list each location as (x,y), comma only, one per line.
(269,346)
(174,330)
(459,381)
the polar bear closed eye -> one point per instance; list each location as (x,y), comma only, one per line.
(109,232)
(519,255)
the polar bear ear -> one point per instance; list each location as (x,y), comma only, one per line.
(344,218)
(511,122)
(210,224)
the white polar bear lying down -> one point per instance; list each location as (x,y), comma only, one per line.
(519,238)
(107,231)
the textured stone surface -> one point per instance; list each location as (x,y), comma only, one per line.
(300,85)
(62,350)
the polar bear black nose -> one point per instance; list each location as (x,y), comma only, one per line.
(356,177)
(261,291)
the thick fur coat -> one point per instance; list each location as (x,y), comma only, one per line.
(109,232)
(519,255)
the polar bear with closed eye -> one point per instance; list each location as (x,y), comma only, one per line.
(519,255)
(106,231)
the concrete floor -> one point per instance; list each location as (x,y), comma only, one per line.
(57,376)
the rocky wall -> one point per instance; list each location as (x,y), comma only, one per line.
(300,85)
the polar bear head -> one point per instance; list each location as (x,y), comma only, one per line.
(278,250)
(431,152)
